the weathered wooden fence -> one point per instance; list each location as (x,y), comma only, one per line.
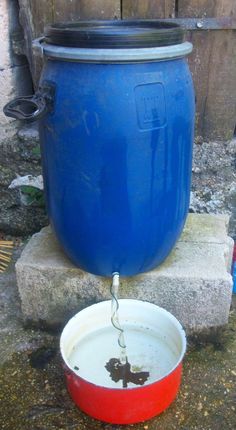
(212,30)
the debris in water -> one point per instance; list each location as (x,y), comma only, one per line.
(119,371)
(76,367)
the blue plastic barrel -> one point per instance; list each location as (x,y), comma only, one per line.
(117,145)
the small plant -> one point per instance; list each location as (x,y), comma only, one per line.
(31,190)
(32,196)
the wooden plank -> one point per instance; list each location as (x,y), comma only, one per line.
(220,107)
(148,9)
(85,9)
(199,63)
(65,10)
(206,8)
(40,14)
(213,65)
(34,15)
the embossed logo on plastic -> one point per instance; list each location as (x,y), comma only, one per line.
(150,104)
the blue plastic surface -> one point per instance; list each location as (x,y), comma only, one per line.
(117,154)
(234,277)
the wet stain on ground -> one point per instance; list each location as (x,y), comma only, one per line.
(41,357)
(122,372)
(44,409)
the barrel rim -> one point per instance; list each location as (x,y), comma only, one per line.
(114,34)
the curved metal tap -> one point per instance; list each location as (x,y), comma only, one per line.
(115,316)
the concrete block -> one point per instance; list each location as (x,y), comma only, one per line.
(194,283)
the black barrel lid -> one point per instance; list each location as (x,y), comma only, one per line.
(114,34)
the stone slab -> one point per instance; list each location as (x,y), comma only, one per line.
(194,282)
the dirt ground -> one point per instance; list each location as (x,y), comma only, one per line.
(33,395)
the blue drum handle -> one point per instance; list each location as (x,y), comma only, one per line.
(32,108)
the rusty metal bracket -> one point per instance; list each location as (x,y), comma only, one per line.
(220,23)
